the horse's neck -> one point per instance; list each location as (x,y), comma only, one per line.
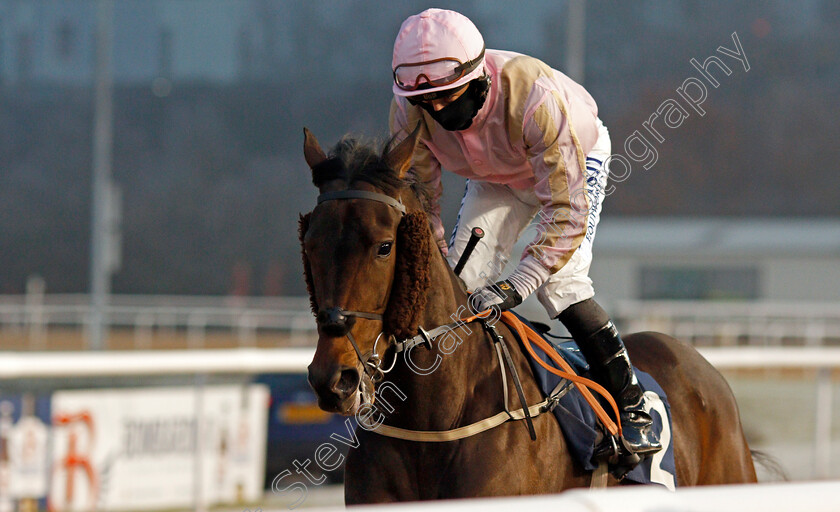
(446,301)
(438,385)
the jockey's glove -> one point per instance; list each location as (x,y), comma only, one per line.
(529,275)
(501,295)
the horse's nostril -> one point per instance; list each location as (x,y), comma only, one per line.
(346,382)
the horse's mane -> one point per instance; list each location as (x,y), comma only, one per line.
(362,159)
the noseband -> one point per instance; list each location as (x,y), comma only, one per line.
(370,362)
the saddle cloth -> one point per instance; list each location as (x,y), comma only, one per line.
(580,425)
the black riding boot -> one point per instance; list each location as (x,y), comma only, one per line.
(610,367)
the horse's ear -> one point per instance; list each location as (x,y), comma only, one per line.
(312,151)
(399,158)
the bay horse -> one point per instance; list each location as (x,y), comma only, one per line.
(375,275)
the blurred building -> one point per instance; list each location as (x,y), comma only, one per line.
(53,42)
(209,41)
(737,260)
(211,95)
(224,41)
(776,259)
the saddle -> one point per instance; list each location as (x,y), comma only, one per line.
(585,434)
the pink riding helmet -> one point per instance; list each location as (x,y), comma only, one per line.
(434,51)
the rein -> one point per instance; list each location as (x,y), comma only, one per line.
(527,335)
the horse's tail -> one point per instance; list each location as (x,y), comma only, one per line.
(771,465)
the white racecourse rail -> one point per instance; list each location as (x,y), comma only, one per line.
(813,497)
(18,365)
(791,497)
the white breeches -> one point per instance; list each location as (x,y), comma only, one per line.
(505,214)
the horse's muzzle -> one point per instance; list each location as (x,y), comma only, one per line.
(336,390)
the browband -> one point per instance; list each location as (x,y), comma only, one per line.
(362,194)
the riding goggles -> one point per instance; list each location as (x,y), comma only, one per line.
(433,73)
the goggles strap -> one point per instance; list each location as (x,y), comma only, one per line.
(464,67)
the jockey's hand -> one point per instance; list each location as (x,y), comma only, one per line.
(501,295)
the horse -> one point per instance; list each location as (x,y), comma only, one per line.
(375,277)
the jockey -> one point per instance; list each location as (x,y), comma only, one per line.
(530,143)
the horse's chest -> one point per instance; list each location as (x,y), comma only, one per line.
(496,463)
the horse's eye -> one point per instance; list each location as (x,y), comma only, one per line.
(385,248)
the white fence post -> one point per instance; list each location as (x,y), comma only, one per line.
(35,288)
(300,326)
(196,328)
(822,424)
(144,324)
(200,498)
(246,330)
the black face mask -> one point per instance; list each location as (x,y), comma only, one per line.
(459,114)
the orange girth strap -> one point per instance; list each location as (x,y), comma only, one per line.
(527,335)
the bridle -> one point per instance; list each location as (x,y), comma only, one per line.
(371,363)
